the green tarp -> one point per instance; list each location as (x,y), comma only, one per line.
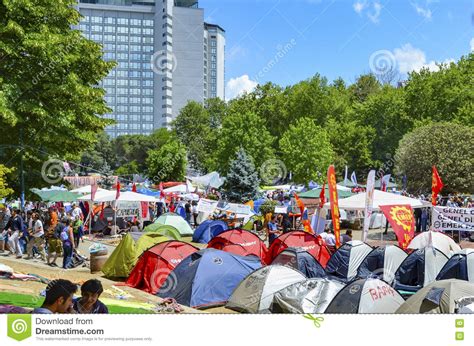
(316,192)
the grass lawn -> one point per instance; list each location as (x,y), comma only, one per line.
(28,301)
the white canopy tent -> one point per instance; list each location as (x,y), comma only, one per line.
(357,202)
(86,189)
(183,189)
(127,196)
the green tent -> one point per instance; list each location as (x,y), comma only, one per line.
(174,220)
(316,192)
(249,225)
(126,254)
(56,195)
(348,183)
(165,230)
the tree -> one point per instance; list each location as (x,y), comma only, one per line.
(448,146)
(100,153)
(167,163)
(247,131)
(242,179)
(5,191)
(306,150)
(444,95)
(364,86)
(50,102)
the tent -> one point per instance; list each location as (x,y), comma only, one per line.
(357,202)
(313,244)
(125,255)
(301,260)
(460,266)
(345,262)
(207,278)
(366,296)
(247,243)
(255,293)
(56,195)
(125,196)
(439,240)
(171,219)
(155,264)
(85,190)
(382,262)
(208,230)
(307,297)
(212,179)
(419,269)
(315,193)
(182,188)
(438,297)
(166,230)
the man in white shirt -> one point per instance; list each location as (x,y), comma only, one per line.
(76,212)
(37,238)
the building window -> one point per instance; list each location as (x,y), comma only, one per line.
(213,43)
(137,22)
(122,21)
(122,30)
(109,20)
(95,19)
(136,31)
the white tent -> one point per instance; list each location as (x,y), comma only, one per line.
(183,188)
(86,190)
(357,202)
(439,240)
(127,196)
(212,179)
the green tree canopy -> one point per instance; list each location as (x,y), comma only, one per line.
(50,100)
(306,150)
(167,163)
(242,180)
(449,147)
(5,191)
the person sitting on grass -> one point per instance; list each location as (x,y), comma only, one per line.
(59,294)
(89,302)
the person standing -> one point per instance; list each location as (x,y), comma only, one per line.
(78,230)
(187,210)
(273,231)
(67,238)
(195,212)
(37,238)
(15,234)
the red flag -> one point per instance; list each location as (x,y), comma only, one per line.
(117,195)
(322,196)
(162,193)
(94,188)
(333,199)
(436,185)
(402,221)
(299,203)
(134,187)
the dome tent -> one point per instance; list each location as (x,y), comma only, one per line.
(255,293)
(438,297)
(439,240)
(155,264)
(171,219)
(301,260)
(207,278)
(208,230)
(307,297)
(382,262)
(459,266)
(419,269)
(347,259)
(366,296)
(313,244)
(125,255)
(165,230)
(247,243)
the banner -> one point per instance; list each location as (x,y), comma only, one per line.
(332,185)
(206,206)
(128,209)
(452,219)
(402,221)
(369,201)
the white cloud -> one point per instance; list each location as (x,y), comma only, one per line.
(472,44)
(410,59)
(237,86)
(371,8)
(424,12)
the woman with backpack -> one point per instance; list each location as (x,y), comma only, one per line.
(67,238)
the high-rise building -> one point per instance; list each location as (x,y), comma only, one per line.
(166,56)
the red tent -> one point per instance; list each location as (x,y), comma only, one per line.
(240,242)
(315,245)
(156,263)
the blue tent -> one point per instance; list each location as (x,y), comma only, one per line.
(257,203)
(301,260)
(208,230)
(207,278)
(460,266)
(344,263)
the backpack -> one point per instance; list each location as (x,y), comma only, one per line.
(64,234)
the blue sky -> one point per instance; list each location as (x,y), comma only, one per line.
(286,41)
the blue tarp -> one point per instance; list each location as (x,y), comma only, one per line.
(207,278)
(208,230)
